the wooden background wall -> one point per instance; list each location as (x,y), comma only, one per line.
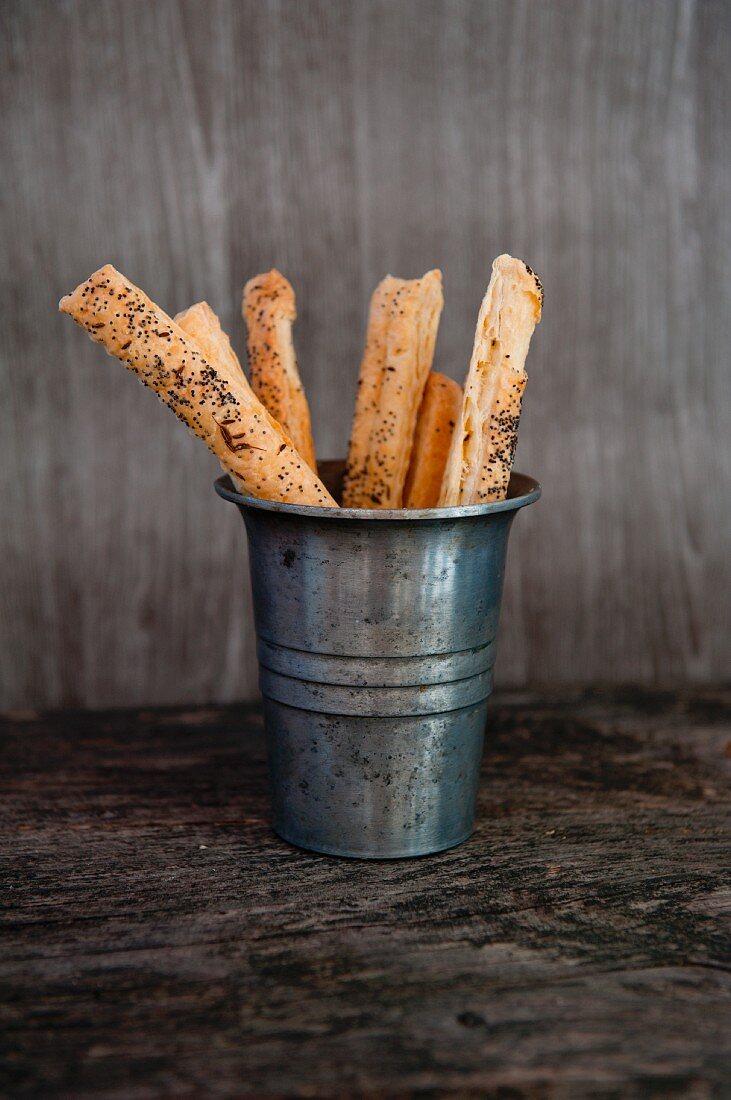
(193,144)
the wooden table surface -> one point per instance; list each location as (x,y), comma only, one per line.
(159,940)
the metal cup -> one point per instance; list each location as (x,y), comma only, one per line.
(376,639)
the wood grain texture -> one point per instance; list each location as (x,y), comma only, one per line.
(159,940)
(194,144)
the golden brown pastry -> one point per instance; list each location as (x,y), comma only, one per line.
(201,323)
(218,407)
(402,332)
(369,390)
(438,415)
(483,444)
(269,310)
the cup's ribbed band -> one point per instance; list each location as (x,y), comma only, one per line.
(376,671)
(375,702)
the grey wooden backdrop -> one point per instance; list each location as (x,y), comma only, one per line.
(195,143)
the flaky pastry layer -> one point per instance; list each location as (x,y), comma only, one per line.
(269,309)
(483,445)
(217,406)
(437,419)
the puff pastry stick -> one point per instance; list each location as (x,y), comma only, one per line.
(484,441)
(269,309)
(412,321)
(438,416)
(201,323)
(369,390)
(230,420)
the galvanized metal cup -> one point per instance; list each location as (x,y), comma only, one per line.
(376,639)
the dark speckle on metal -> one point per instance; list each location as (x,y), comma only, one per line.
(376,665)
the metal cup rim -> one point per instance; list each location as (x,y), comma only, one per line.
(525,491)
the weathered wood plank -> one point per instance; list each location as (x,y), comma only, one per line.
(193,144)
(158,939)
